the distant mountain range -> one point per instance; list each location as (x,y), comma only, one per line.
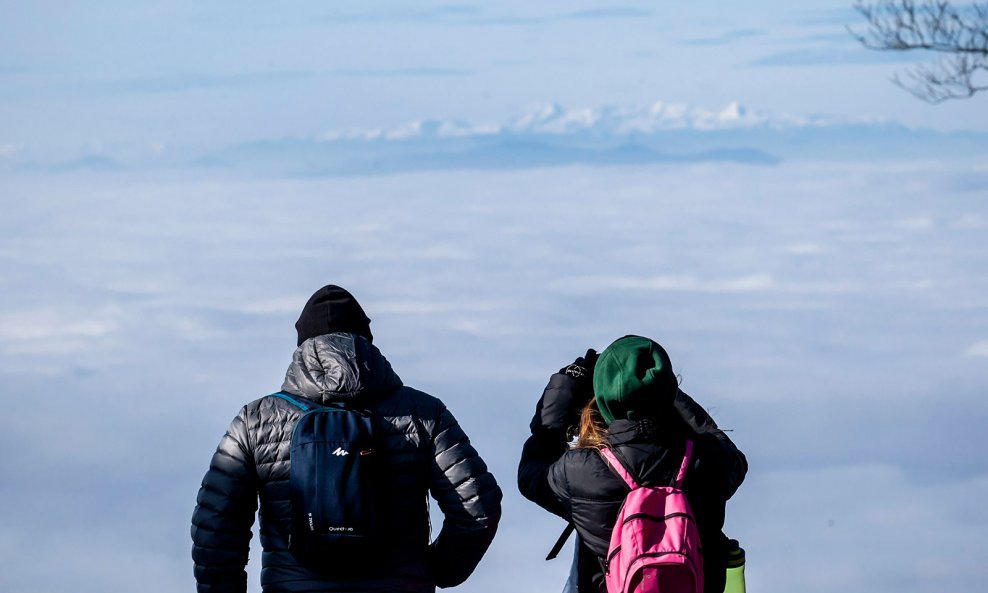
(550,135)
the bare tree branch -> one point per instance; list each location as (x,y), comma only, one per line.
(957,34)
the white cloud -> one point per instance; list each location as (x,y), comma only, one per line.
(921,223)
(978,349)
(275,306)
(10,149)
(487,328)
(438,252)
(688,283)
(418,306)
(52,341)
(971,221)
(43,324)
(804,249)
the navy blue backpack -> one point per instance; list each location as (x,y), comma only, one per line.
(334,466)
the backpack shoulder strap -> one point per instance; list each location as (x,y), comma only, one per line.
(558,546)
(615,464)
(687,457)
(305,407)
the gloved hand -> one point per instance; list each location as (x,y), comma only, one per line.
(567,392)
(581,370)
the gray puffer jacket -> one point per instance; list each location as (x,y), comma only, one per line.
(425,452)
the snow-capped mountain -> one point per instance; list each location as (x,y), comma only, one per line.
(554,119)
(549,135)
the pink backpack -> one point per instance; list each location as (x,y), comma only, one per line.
(655,545)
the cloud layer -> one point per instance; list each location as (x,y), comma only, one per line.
(831,313)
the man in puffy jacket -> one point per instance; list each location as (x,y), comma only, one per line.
(424,450)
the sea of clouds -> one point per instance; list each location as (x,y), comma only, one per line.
(832,312)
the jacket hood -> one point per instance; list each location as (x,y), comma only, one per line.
(649,447)
(662,430)
(339,367)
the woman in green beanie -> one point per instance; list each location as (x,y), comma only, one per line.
(627,400)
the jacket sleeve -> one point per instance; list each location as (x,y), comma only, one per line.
(729,458)
(708,499)
(539,475)
(224,514)
(469,499)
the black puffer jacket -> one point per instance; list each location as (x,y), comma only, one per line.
(577,484)
(426,452)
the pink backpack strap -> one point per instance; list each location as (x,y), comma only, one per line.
(685,465)
(611,459)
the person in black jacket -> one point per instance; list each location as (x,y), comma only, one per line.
(425,452)
(628,400)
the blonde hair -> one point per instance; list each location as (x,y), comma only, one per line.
(592,429)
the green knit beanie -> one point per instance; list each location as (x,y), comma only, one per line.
(633,376)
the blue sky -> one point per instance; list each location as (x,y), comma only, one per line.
(501,187)
(191,74)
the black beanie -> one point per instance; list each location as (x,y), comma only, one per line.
(332,309)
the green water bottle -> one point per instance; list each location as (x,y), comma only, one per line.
(735,568)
